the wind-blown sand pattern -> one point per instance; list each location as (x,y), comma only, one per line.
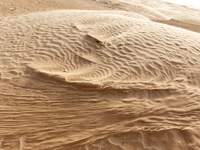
(101,80)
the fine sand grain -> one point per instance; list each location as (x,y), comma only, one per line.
(123,76)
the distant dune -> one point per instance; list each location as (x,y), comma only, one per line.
(123,75)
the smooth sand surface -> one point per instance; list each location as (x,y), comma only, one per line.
(124,75)
(14,7)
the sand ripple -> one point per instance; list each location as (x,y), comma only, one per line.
(91,80)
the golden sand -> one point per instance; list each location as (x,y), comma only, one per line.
(99,75)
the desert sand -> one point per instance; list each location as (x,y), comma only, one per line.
(99,75)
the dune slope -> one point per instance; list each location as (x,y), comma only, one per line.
(86,80)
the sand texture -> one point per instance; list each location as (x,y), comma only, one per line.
(123,76)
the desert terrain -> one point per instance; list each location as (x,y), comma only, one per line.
(99,75)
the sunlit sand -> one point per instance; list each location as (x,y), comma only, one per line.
(99,75)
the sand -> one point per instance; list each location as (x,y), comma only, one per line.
(99,75)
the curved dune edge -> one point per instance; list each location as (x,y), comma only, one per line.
(97,80)
(157,11)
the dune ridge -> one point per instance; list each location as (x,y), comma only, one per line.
(157,11)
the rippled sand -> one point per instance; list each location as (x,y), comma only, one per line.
(122,78)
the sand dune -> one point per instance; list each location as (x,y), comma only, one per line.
(121,79)
(157,11)
(14,7)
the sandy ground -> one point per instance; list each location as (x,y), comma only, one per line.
(99,75)
(14,7)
